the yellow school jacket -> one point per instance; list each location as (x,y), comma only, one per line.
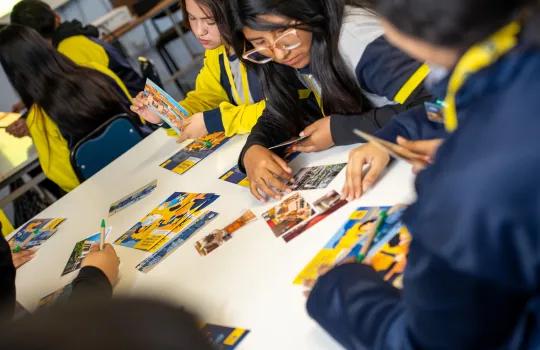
(227,106)
(52,148)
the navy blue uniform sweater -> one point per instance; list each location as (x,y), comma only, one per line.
(473,275)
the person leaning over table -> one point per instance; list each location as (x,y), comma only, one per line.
(472,279)
(227,97)
(79,43)
(98,275)
(337,51)
(66,101)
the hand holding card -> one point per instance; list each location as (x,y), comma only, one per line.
(395,150)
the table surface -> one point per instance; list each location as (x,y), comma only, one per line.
(245,283)
(15,153)
(138,20)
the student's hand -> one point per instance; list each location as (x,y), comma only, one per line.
(357,183)
(18,107)
(267,173)
(22,257)
(18,128)
(139,106)
(320,137)
(428,148)
(106,260)
(193,128)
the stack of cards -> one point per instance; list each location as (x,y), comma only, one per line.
(165,221)
(132,198)
(317,177)
(388,253)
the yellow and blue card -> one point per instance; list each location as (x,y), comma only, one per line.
(165,221)
(224,338)
(34,233)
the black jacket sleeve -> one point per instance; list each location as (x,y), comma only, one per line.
(343,126)
(91,282)
(7,281)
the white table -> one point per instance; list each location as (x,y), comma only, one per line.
(246,283)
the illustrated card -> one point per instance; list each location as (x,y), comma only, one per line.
(194,153)
(387,254)
(34,233)
(325,206)
(81,249)
(224,338)
(317,177)
(161,103)
(153,260)
(169,218)
(218,237)
(287,214)
(132,198)
(289,143)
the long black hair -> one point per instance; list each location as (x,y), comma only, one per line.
(77,99)
(340,91)
(458,23)
(217,10)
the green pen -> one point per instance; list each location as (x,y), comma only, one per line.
(102,235)
(16,249)
(371,236)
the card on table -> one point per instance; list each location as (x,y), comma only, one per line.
(316,177)
(218,237)
(81,249)
(237,177)
(387,255)
(325,206)
(395,150)
(287,214)
(34,233)
(169,218)
(194,153)
(224,338)
(132,198)
(161,103)
(150,262)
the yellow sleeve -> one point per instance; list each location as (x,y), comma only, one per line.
(239,119)
(52,149)
(82,50)
(208,93)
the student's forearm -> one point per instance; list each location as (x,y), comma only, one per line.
(91,282)
(355,306)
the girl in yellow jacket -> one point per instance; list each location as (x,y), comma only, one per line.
(226,97)
(67,101)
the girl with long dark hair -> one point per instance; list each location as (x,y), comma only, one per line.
(472,278)
(337,53)
(66,101)
(227,97)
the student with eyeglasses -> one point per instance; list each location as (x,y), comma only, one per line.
(472,279)
(355,77)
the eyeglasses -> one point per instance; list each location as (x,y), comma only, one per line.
(261,55)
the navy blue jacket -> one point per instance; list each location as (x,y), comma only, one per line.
(473,275)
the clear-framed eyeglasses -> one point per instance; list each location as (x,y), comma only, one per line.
(261,55)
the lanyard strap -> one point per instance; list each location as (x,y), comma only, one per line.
(476,58)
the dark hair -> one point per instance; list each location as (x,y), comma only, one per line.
(35,14)
(457,23)
(217,10)
(341,93)
(77,99)
(135,324)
